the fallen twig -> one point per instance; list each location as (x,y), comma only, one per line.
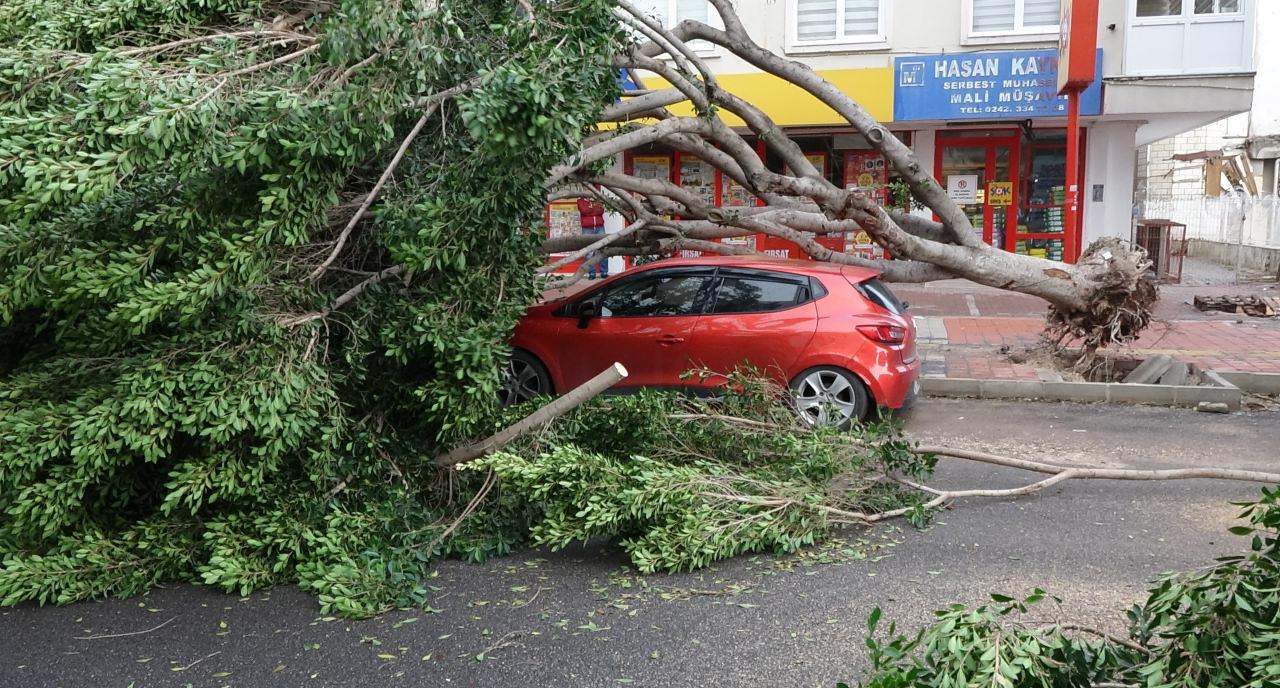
(1108,636)
(211,654)
(124,635)
(1094,473)
(489,481)
(373,195)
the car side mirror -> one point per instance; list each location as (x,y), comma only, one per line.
(906,305)
(586,311)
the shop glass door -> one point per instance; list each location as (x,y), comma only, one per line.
(1041,230)
(978,172)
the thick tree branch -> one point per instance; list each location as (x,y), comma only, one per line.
(736,39)
(599,244)
(642,106)
(558,407)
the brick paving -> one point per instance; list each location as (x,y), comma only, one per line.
(957,343)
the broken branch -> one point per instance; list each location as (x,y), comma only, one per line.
(575,398)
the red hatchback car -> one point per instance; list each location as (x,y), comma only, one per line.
(834,334)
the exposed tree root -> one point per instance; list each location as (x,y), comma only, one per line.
(1119,307)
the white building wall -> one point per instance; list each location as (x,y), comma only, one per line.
(1109,164)
(1265,116)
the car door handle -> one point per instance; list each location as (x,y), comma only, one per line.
(668,339)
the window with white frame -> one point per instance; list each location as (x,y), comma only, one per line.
(1013,17)
(833,22)
(1186,8)
(672,12)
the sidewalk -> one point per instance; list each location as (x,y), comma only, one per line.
(964,330)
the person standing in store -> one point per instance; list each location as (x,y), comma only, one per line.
(592,214)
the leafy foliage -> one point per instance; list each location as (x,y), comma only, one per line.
(681,484)
(1216,627)
(179,398)
(1219,626)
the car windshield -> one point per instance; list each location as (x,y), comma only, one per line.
(879,293)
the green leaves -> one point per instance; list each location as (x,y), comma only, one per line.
(680,495)
(172,173)
(1214,627)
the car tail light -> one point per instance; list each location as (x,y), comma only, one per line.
(885,334)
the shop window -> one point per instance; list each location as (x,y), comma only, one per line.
(825,23)
(1005,18)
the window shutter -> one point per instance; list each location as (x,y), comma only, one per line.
(861,17)
(993,15)
(816,20)
(1041,12)
(691,9)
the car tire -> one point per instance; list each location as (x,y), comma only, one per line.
(526,379)
(830,396)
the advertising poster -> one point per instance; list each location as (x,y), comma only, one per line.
(651,167)
(818,160)
(699,178)
(1000,193)
(563,219)
(735,195)
(860,244)
(868,172)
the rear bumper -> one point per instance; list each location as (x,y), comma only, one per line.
(900,388)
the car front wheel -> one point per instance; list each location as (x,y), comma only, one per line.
(526,379)
(827,396)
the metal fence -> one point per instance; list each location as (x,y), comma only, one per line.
(1233,220)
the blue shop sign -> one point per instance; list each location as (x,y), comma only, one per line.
(1015,84)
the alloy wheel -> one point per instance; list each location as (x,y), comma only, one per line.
(827,398)
(525,381)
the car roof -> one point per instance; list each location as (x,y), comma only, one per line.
(807,267)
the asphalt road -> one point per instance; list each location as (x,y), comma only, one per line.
(581,618)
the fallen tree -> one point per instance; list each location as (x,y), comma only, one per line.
(1103,299)
(259,262)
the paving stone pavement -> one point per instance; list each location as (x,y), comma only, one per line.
(955,343)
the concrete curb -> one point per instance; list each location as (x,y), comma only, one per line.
(1254,383)
(1108,392)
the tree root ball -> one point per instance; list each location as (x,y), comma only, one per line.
(1119,302)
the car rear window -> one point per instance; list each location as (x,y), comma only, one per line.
(878,292)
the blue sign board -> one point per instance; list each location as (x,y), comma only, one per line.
(1015,84)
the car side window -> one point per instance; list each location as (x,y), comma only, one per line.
(660,295)
(740,294)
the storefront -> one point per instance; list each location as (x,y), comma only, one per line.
(995,123)
(990,123)
(842,158)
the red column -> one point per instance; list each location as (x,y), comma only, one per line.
(1071,227)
